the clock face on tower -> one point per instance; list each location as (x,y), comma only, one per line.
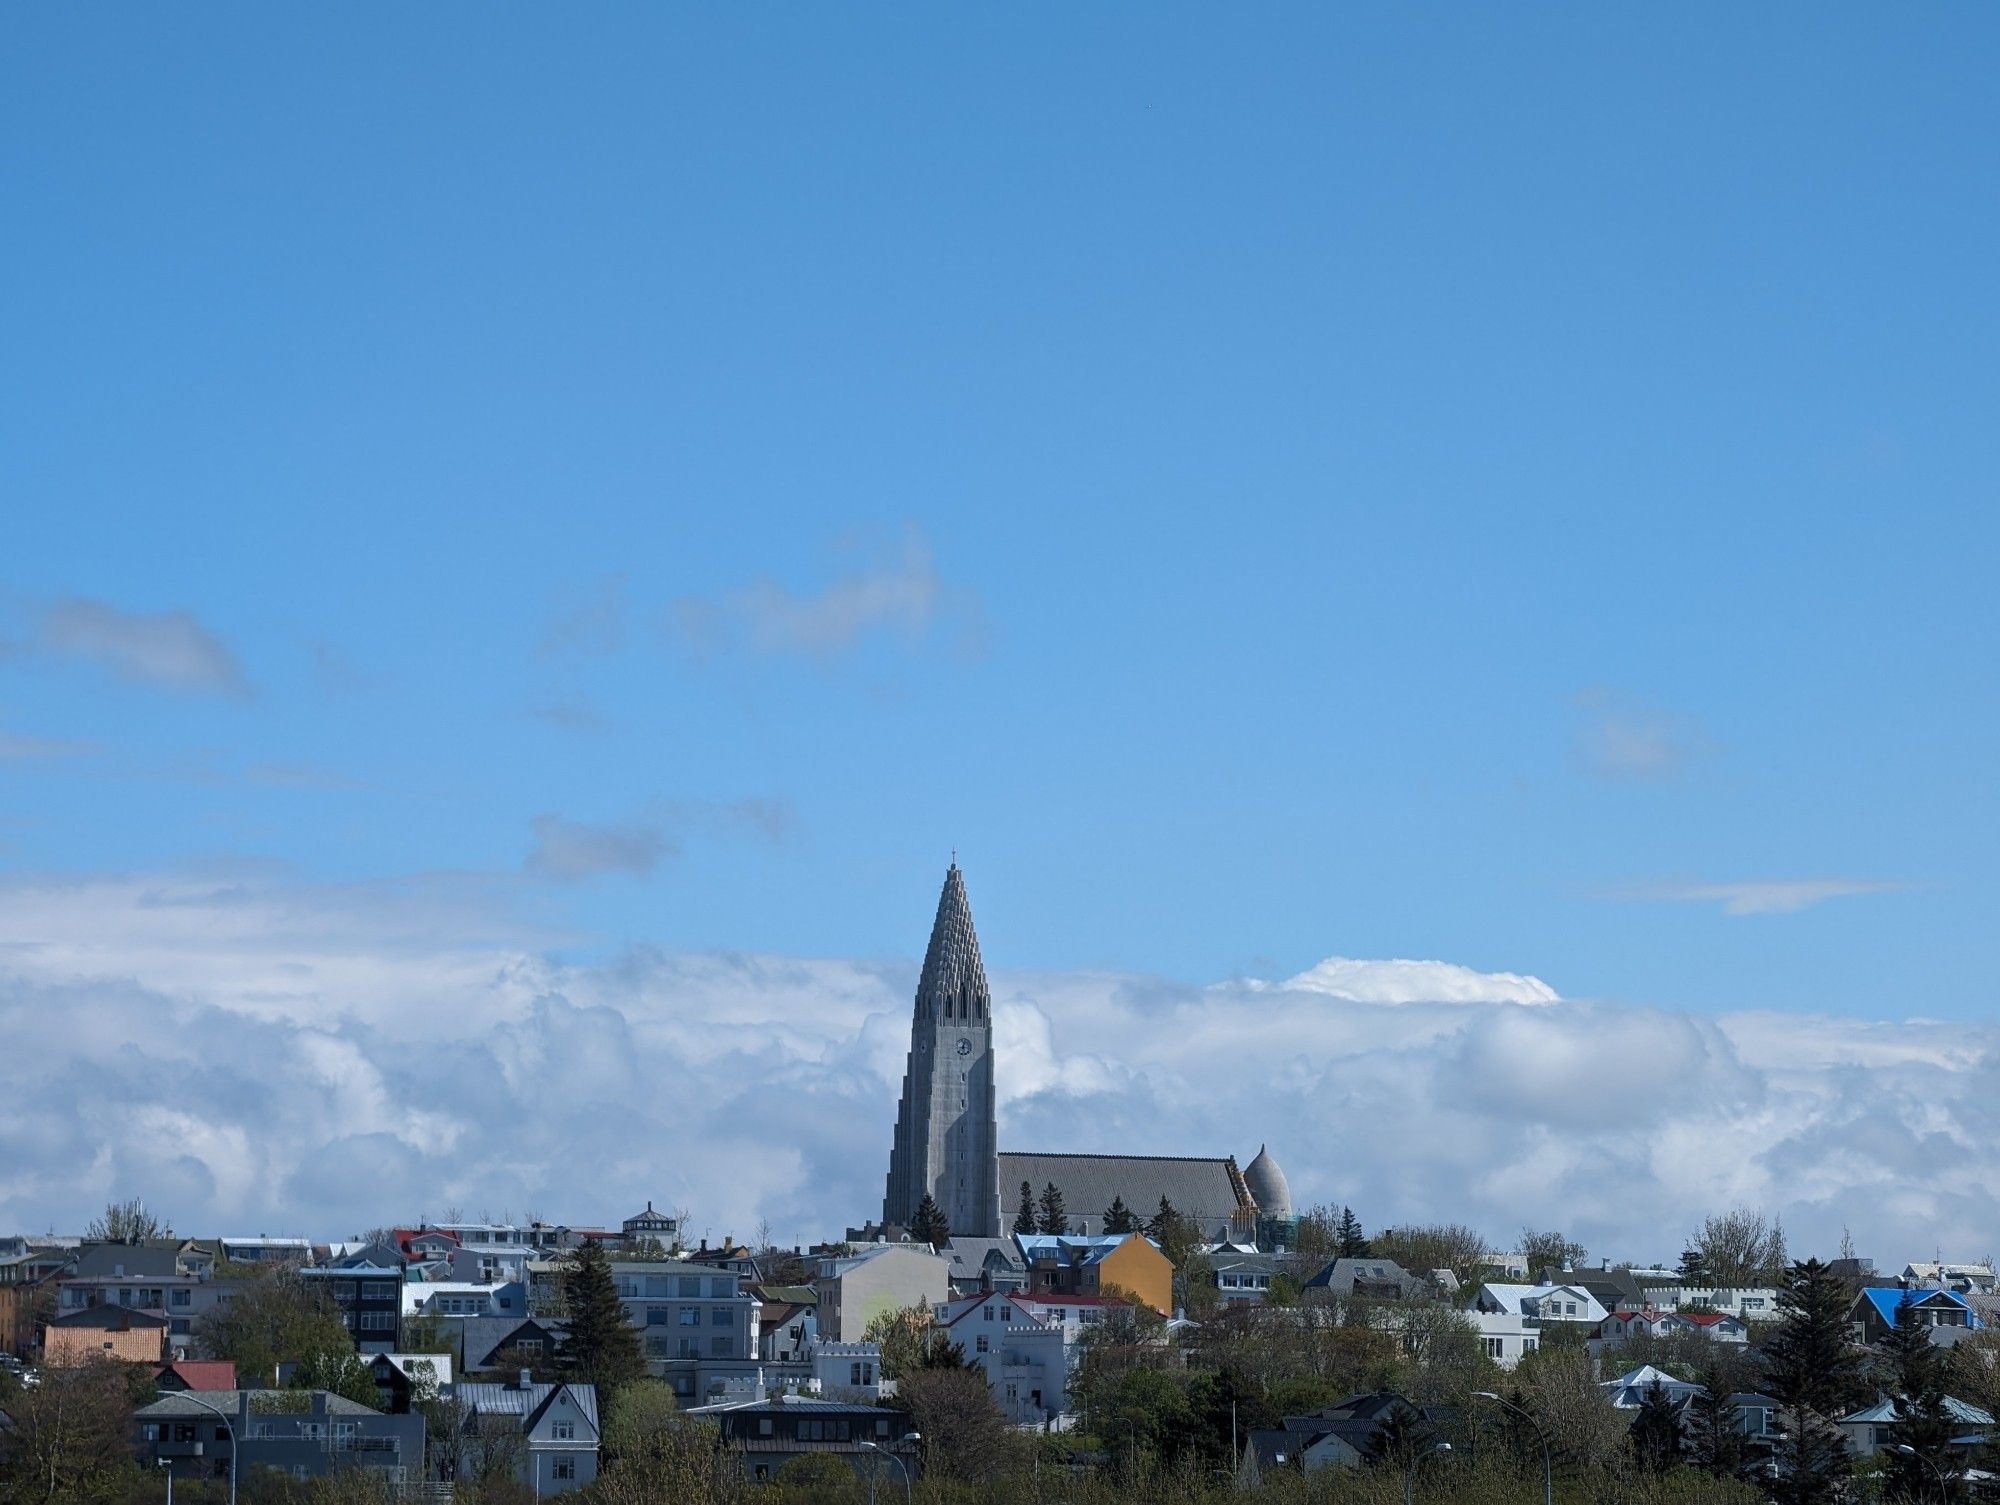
(964,1047)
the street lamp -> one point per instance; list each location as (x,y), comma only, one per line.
(895,1458)
(228,1426)
(1548,1466)
(1944,1484)
(1410,1483)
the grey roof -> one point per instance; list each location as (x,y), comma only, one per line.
(122,1261)
(785,1404)
(1371,1276)
(953,982)
(1209,1191)
(485,1336)
(968,1256)
(526,1401)
(107,1315)
(176,1403)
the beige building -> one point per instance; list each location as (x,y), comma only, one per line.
(104,1332)
(855,1289)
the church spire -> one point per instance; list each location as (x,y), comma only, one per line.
(953,983)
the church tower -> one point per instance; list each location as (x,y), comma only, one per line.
(945,1139)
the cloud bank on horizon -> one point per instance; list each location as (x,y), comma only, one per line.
(254,1053)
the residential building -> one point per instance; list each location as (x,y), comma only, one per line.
(1245,1279)
(1507,1337)
(1025,1346)
(491,1264)
(786,1330)
(1966,1279)
(769,1431)
(1652,1322)
(1336,1437)
(1099,1264)
(28,1279)
(306,1434)
(1878,1309)
(698,1326)
(499,1346)
(984,1264)
(179,1298)
(464,1298)
(195,1374)
(261,1250)
(369,1299)
(1543,1303)
(1871,1429)
(1745,1303)
(663,1228)
(1365,1279)
(1629,1390)
(104,1332)
(558,1422)
(945,1146)
(854,1289)
(405,1379)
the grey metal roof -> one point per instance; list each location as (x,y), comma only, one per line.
(968,1256)
(176,1403)
(1209,1191)
(526,1401)
(482,1336)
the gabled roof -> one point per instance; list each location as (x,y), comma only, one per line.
(108,1316)
(1884,1411)
(200,1374)
(1887,1300)
(176,1403)
(529,1402)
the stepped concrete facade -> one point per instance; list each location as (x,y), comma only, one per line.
(946,1143)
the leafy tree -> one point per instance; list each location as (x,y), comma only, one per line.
(901,1335)
(965,1436)
(427,1333)
(341,1370)
(1118,1218)
(1422,1248)
(1922,1423)
(1350,1241)
(929,1226)
(1738,1248)
(127,1222)
(1550,1251)
(639,1421)
(275,1317)
(1656,1430)
(70,1442)
(1812,1371)
(1024,1220)
(1051,1218)
(602,1349)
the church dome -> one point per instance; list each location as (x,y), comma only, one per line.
(1267,1186)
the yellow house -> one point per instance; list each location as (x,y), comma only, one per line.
(104,1332)
(1094,1264)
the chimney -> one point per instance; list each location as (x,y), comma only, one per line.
(527,1378)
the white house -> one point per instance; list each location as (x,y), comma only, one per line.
(1745,1303)
(1543,1304)
(464,1298)
(558,1421)
(1656,1323)
(1966,1279)
(1508,1337)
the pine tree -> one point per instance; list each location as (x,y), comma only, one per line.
(1811,1369)
(1349,1241)
(1656,1430)
(1922,1423)
(602,1349)
(1024,1220)
(1399,1437)
(1053,1218)
(1162,1223)
(1118,1217)
(929,1226)
(1716,1443)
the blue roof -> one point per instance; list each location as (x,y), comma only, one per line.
(1887,1300)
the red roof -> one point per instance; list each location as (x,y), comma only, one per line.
(1706,1319)
(202,1374)
(402,1236)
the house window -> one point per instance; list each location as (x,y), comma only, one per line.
(690,1285)
(980,1345)
(657,1316)
(183,1297)
(719,1346)
(378,1290)
(1495,1347)
(378,1322)
(718,1316)
(988,1314)
(763,1426)
(690,1316)
(563,1468)
(722,1285)
(1006,1314)
(689,1348)
(563,1431)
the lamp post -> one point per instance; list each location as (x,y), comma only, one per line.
(1944,1483)
(895,1458)
(168,1465)
(1548,1466)
(1410,1483)
(228,1426)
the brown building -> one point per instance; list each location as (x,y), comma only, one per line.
(104,1332)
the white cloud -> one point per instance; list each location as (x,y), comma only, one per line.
(249,1051)
(1417,982)
(170,650)
(1762,895)
(895,590)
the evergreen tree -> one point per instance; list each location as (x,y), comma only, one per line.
(1024,1220)
(1922,1423)
(1053,1218)
(1811,1369)
(929,1225)
(1656,1430)
(1398,1440)
(1162,1223)
(1716,1443)
(602,1350)
(1349,1241)
(1118,1218)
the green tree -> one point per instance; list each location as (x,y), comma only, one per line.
(602,1349)
(340,1370)
(1656,1431)
(1922,1423)
(1118,1218)
(929,1225)
(1715,1440)
(1024,1219)
(1398,1440)
(1349,1240)
(902,1336)
(1549,1250)
(276,1316)
(1051,1217)
(1813,1371)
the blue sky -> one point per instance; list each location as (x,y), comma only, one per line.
(1474,483)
